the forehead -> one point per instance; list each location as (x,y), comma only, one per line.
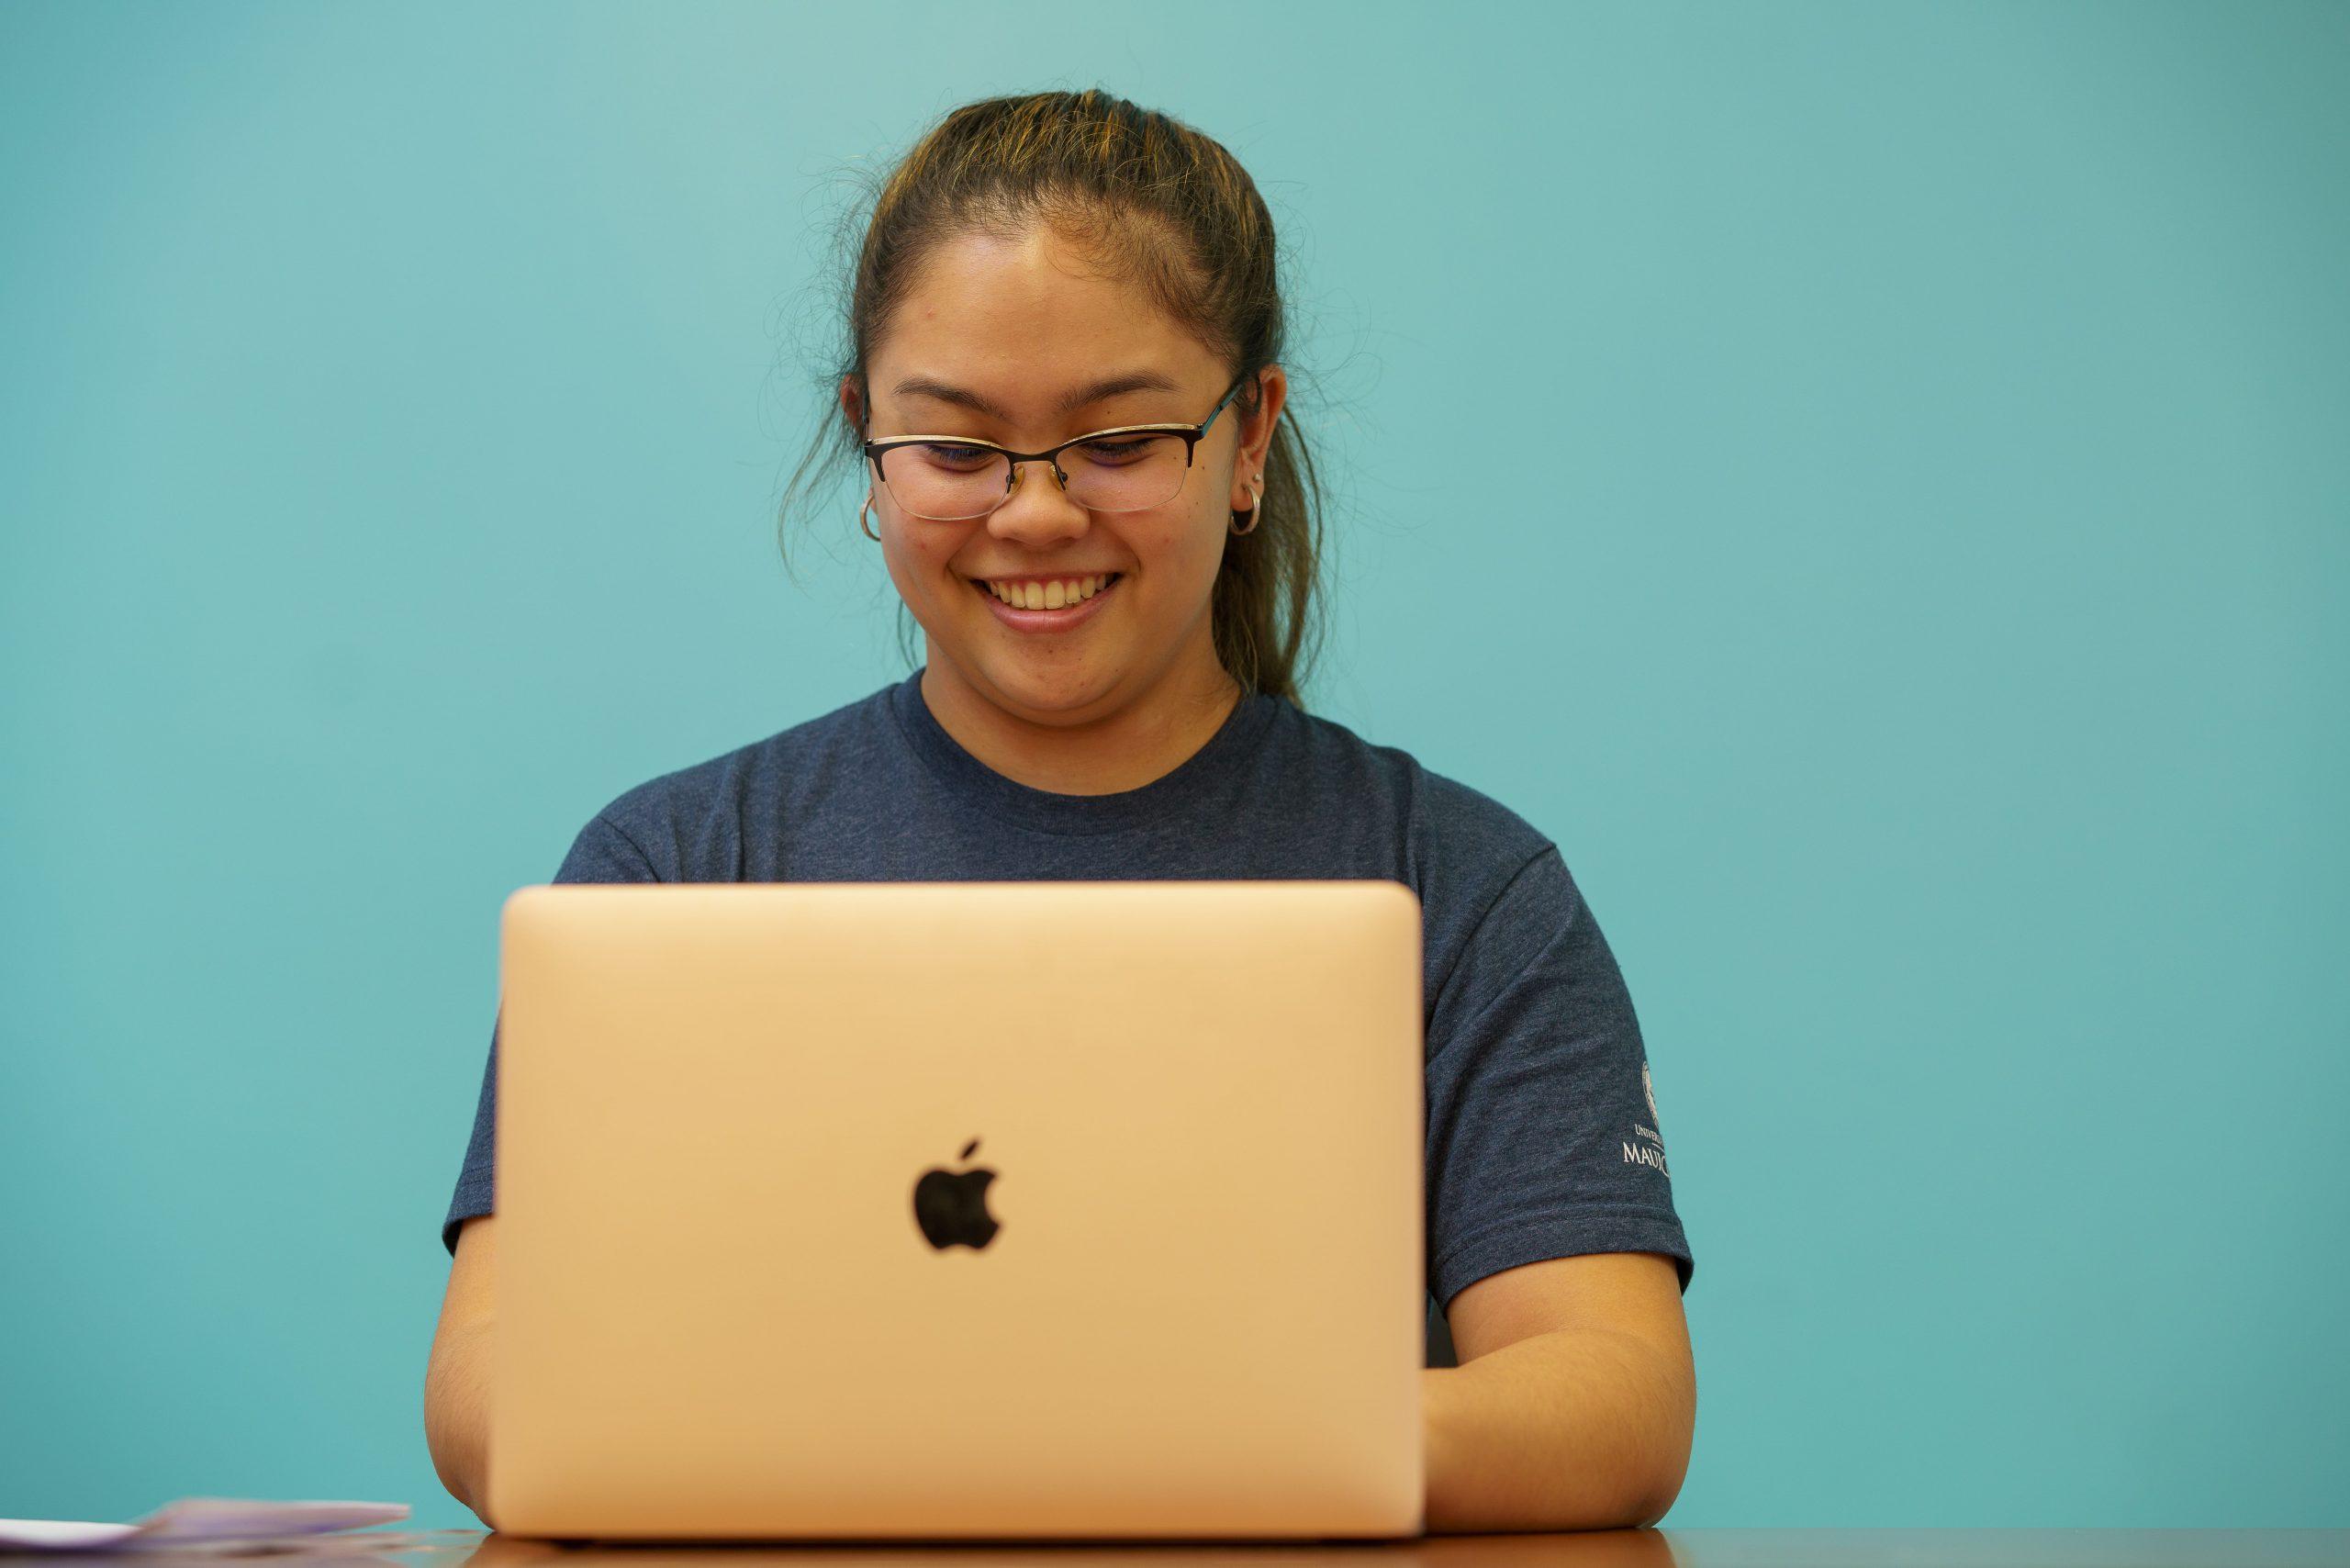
(1021,319)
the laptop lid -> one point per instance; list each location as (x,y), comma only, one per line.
(949,1210)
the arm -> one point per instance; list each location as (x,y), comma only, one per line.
(456,1382)
(1574,1403)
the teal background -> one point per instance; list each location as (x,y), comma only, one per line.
(1872,481)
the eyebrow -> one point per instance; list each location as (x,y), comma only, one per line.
(1100,391)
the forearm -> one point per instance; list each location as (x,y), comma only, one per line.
(456,1413)
(1569,1429)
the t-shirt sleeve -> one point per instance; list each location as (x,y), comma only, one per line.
(603,853)
(1542,1132)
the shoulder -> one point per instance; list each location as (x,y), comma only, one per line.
(689,825)
(1494,887)
(1458,846)
(1442,819)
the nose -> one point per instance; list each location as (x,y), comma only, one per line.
(1038,509)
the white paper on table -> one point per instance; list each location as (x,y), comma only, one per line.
(197,1519)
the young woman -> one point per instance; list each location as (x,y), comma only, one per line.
(1062,380)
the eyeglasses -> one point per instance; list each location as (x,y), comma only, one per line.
(948,479)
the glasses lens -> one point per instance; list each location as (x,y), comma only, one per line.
(945,480)
(1125,473)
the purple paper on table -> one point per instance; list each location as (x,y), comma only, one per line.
(192,1520)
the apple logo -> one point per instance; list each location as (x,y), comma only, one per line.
(952,1206)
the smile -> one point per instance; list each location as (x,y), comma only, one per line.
(1047,605)
(1046,593)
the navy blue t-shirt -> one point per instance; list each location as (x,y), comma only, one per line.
(1542,1132)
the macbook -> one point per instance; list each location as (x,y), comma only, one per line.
(949,1211)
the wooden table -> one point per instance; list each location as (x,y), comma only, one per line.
(1606,1549)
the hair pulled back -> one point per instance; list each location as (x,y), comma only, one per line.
(1159,205)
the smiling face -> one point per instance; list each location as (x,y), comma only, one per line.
(1024,343)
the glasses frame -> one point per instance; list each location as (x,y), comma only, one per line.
(876,450)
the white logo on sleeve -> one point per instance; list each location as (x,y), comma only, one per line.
(1649,1150)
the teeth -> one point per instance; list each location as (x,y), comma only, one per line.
(1048,596)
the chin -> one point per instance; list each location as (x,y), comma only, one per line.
(1048,690)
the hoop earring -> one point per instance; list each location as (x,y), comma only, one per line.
(860,519)
(1256,506)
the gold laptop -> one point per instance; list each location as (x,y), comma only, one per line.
(926,1209)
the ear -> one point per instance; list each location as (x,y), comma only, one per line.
(1257,433)
(853,404)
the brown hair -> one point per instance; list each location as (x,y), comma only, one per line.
(1160,205)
